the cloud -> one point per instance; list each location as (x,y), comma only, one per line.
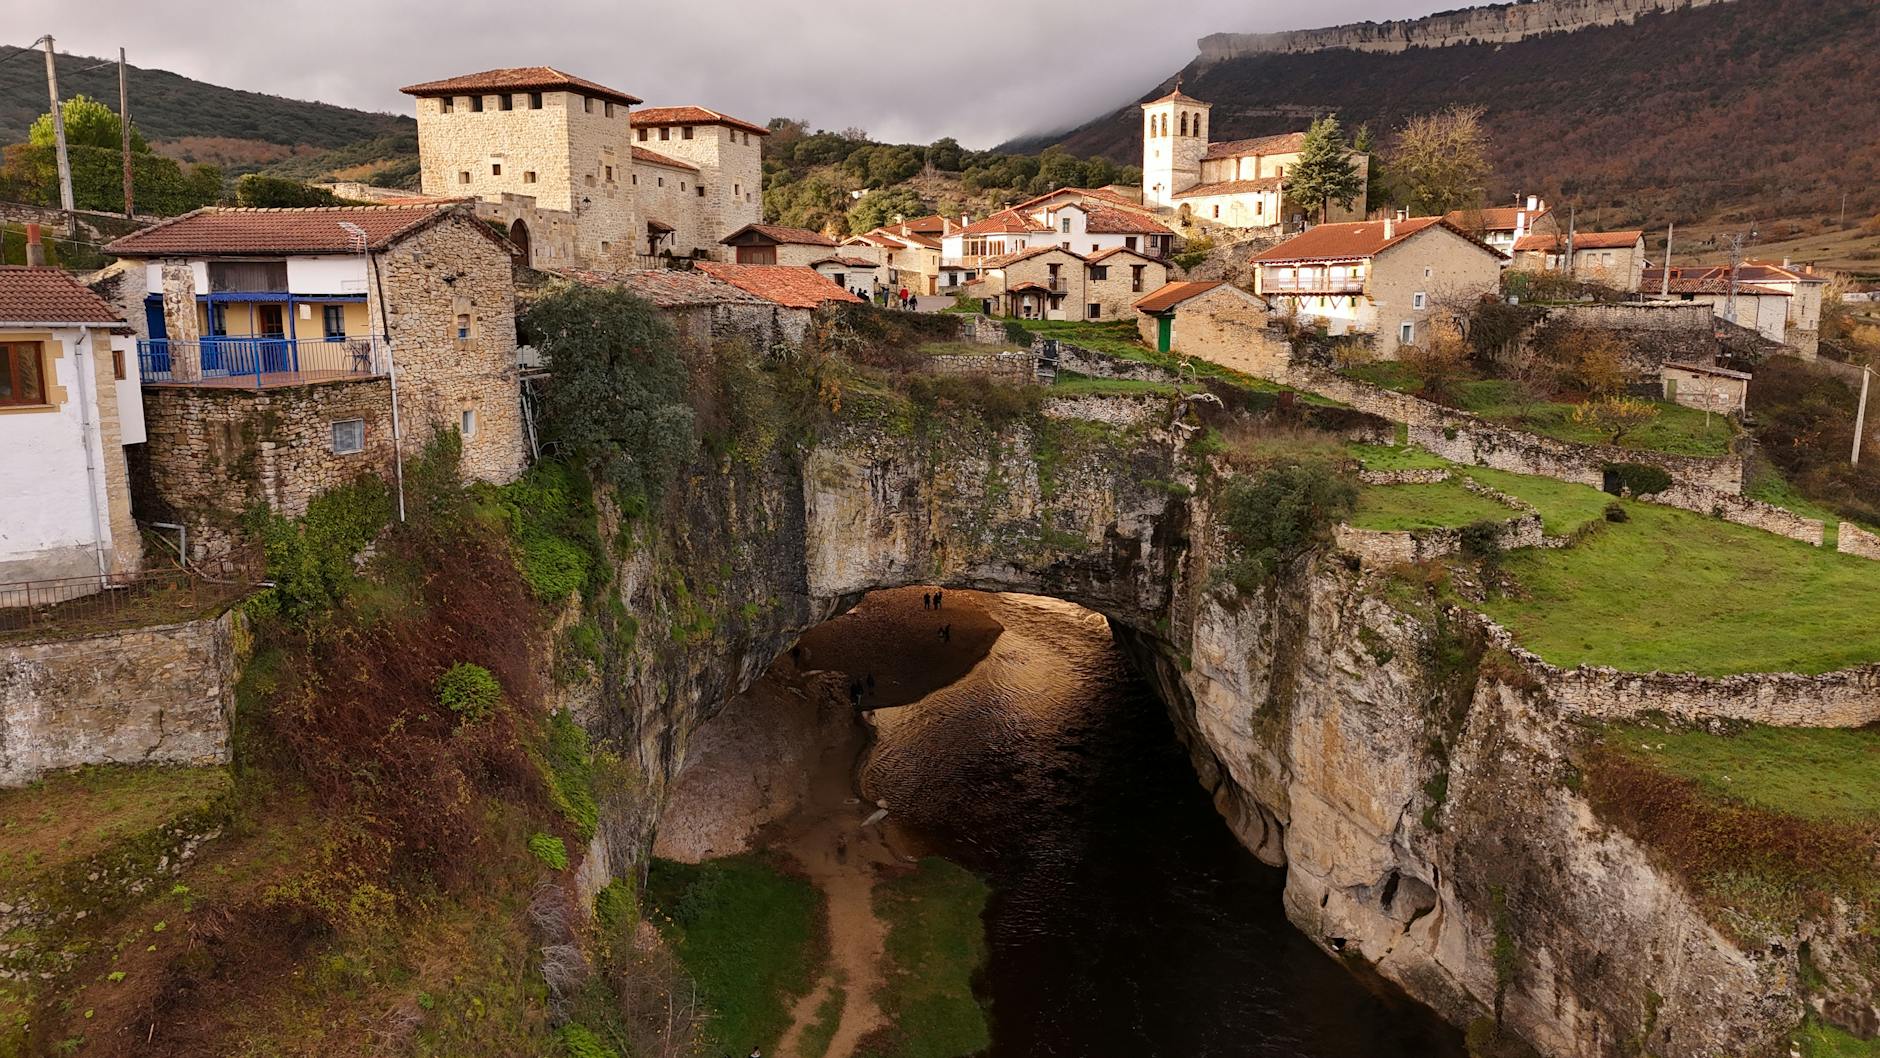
(978,70)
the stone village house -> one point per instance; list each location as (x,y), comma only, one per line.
(1215,321)
(778,244)
(1614,258)
(68,407)
(285,351)
(576,181)
(1797,290)
(1504,226)
(1052,283)
(1077,220)
(1380,277)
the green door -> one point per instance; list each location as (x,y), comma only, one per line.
(1164,329)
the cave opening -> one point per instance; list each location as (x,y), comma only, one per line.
(1011,735)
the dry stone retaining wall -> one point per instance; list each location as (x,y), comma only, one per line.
(156,695)
(1853,540)
(1383,548)
(1742,510)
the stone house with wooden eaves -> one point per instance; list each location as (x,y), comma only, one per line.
(1387,278)
(1214,321)
(778,244)
(68,408)
(1116,278)
(286,351)
(1613,258)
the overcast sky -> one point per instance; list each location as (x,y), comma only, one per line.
(977,70)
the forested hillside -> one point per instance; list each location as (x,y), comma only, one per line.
(1765,109)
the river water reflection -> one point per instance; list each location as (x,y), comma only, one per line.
(1125,921)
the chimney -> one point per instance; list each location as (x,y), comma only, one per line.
(1520,223)
(35,249)
(1785,262)
(1534,203)
(1390,227)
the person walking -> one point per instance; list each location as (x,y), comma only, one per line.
(936,599)
(926,600)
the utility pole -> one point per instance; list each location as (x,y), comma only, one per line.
(1736,266)
(124,119)
(58,137)
(1665,286)
(1571,211)
(1860,414)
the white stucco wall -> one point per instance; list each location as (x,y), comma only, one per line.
(47,524)
(326,275)
(130,392)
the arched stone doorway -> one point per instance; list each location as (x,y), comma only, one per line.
(519,234)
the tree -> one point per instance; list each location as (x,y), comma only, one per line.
(881,207)
(1615,416)
(255,189)
(945,155)
(1324,172)
(88,123)
(616,391)
(1376,174)
(1440,161)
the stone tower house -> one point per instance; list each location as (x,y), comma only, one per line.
(540,142)
(1174,137)
(728,152)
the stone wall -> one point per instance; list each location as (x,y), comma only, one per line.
(157,695)
(1853,540)
(447,276)
(1384,548)
(1742,510)
(1491,24)
(216,451)
(1007,367)
(1651,332)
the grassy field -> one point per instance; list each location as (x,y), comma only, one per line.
(1397,457)
(1808,773)
(936,943)
(750,935)
(1678,592)
(1445,505)
(74,815)
(1119,338)
(1564,506)
(1825,1041)
(1677,430)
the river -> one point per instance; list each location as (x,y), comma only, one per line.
(1125,919)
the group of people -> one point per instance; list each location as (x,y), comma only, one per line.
(903,299)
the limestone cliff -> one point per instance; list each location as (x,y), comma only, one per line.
(1421,797)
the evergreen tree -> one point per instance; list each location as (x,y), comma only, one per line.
(1376,180)
(1324,172)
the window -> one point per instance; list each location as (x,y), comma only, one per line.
(682,185)
(117,364)
(747,139)
(1217,213)
(685,133)
(1417,300)
(608,109)
(659,181)
(1065,245)
(535,100)
(349,436)
(333,321)
(665,133)
(587,104)
(1093,310)
(1406,333)
(642,135)
(446,105)
(463,326)
(467,422)
(463,177)
(476,104)
(701,190)
(1129,241)
(737,190)
(635,178)
(588,179)
(1428,271)
(218,320)
(528,176)
(506,101)
(1064,225)
(610,173)
(1135,278)
(496,168)
(1099,272)
(1094,247)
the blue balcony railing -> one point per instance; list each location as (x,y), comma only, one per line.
(261,361)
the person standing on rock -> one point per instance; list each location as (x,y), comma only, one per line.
(926,600)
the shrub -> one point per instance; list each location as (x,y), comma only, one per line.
(1482,541)
(1616,512)
(1278,514)
(310,559)
(552,519)
(1638,478)
(1615,416)
(550,850)
(615,907)
(469,691)
(271,192)
(579,1041)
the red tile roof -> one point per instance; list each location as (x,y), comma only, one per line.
(668,288)
(1004,222)
(1177,96)
(1586,240)
(933,224)
(517,79)
(917,240)
(49,295)
(641,154)
(1098,193)
(1102,220)
(306,230)
(1113,251)
(1356,240)
(1174,294)
(791,286)
(782,234)
(1495,218)
(690,115)
(1230,187)
(1020,255)
(1705,281)
(1284,143)
(846,262)
(1770,272)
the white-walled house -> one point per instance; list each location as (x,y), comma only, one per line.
(69,403)
(1088,228)
(1762,309)
(1798,290)
(1383,277)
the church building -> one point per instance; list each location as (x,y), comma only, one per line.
(1234,183)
